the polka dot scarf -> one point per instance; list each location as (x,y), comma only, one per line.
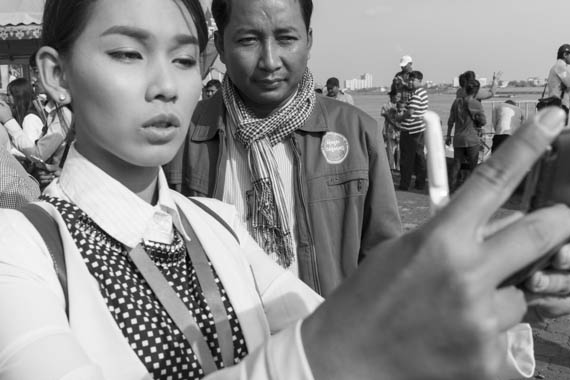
(150,331)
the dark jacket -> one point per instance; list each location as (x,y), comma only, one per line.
(343,209)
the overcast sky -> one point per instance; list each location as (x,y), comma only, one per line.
(444,37)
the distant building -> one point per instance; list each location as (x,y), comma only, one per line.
(536,81)
(365,81)
(456,82)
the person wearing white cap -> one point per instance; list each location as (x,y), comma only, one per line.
(401,83)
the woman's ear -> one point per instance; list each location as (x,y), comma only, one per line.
(52,74)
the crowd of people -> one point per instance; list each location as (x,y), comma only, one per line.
(466,122)
(254,234)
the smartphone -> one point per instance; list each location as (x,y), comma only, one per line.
(548,183)
(37,160)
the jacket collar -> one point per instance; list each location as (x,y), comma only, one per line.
(211,115)
(317,122)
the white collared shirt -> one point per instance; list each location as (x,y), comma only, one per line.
(115,208)
(266,298)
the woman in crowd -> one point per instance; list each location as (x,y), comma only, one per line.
(21,96)
(467,116)
(163,287)
(46,152)
(470,76)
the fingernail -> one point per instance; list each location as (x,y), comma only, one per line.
(551,120)
(538,282)
(562,259)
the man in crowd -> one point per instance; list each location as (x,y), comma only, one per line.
(401,83)
(334,91)
(558,81)
(412,127)
(211,87)
(507,117)
(306,173)
(420,295)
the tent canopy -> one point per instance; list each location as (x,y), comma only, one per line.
(21,12)
(20,29)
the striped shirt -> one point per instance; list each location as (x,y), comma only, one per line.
(416,107)
(238,190)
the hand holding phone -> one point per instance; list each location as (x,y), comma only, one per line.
(547,184)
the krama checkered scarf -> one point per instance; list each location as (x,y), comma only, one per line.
(269,222)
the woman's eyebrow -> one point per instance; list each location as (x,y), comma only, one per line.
(129,31)
(144,35)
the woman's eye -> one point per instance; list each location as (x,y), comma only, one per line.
(186,62)
(125,55)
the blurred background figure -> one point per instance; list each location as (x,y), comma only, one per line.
(39,130)
(334,91)
(401,85)
(558,82)
(22,110)
(212,86)
(483,94)
(391,134)
(507,118)
(468,118)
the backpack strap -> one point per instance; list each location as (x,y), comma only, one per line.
(48,229)
(215,216)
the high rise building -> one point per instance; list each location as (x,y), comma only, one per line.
(365,81)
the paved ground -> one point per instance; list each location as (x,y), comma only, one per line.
(552,339)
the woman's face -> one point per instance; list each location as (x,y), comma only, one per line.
(134,79)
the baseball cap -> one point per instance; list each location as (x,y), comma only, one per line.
(405,60)
(333,82)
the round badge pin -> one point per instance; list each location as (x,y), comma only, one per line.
(334,147)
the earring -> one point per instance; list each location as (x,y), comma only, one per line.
(62,97)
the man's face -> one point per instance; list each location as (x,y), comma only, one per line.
(210,91)
(407,68)
(567,57)
(332,90)
(416,83)
(265,48)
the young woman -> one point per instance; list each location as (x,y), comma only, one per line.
(21,96)
(162,287)
(130,68)
(46,152)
